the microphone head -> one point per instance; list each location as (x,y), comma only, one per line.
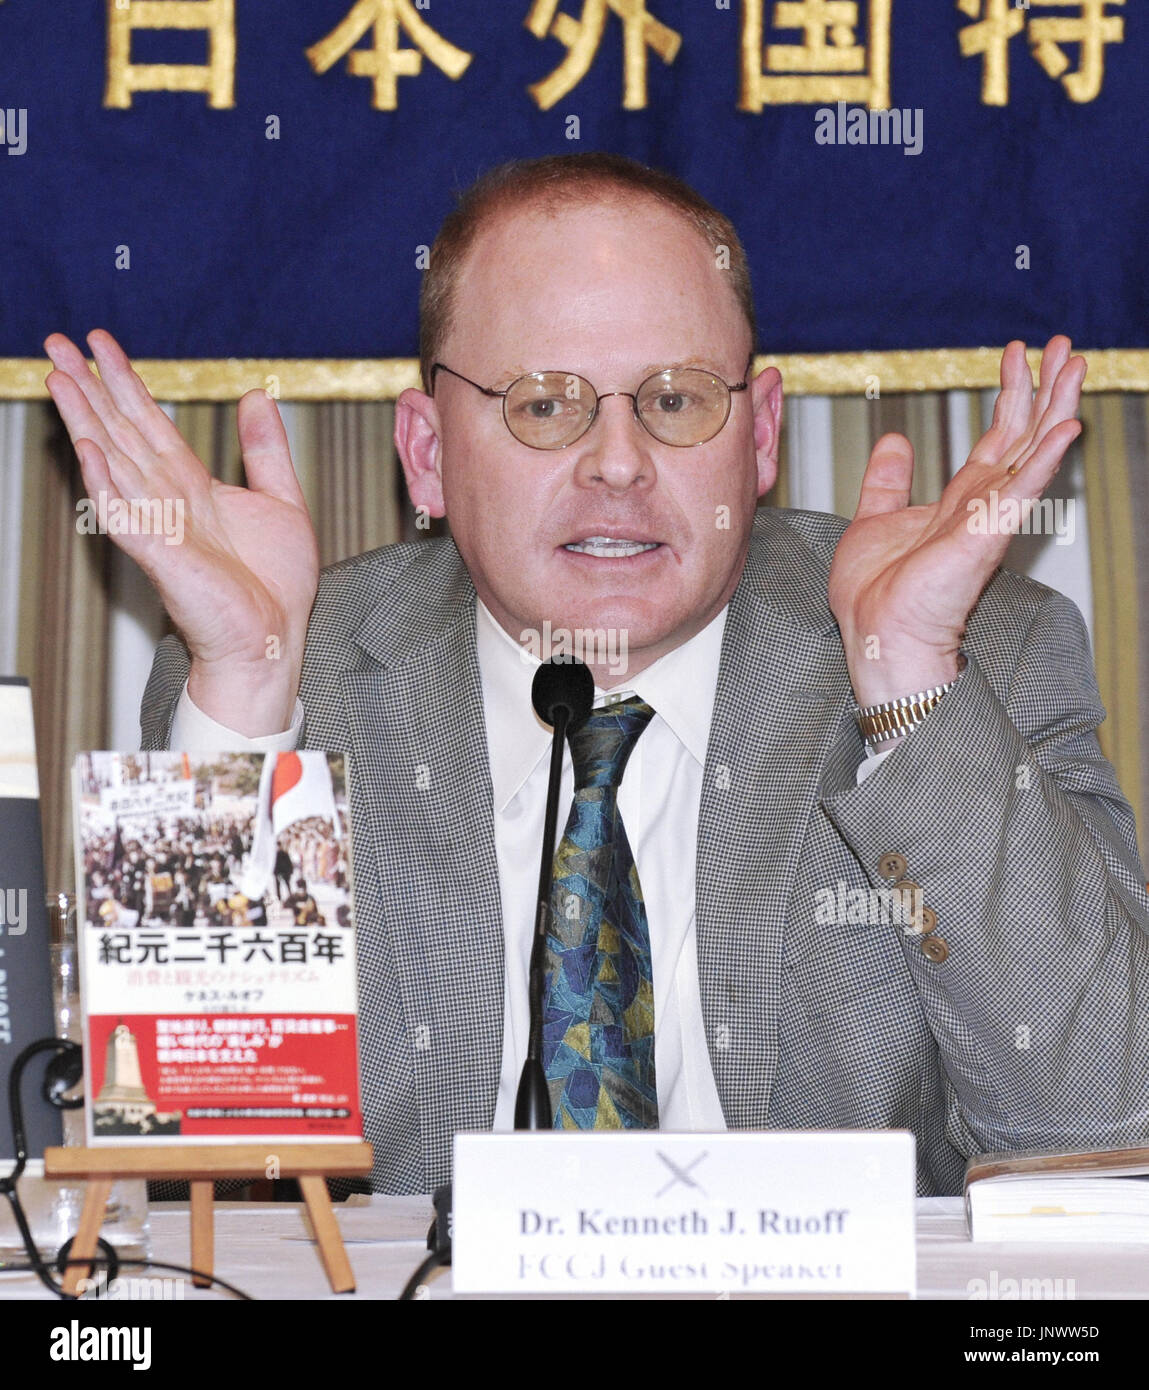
(562,681)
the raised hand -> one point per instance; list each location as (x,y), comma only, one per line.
(905,579)
(241,578)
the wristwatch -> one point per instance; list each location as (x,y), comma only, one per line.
(880,722)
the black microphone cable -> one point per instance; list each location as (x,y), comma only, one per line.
(65,1069)
(438,1243)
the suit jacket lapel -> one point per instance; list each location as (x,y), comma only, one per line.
(781,723)
(416,710)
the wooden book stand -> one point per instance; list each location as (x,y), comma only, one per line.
(201,1165)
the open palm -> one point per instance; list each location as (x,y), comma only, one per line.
(910,576)
(241,581)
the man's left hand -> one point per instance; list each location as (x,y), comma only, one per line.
(905,579)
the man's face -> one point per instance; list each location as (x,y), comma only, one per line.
(611,294)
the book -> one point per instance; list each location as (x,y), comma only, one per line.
(1074,1195)
(217,947)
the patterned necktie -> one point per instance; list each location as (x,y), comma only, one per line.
(598,1009)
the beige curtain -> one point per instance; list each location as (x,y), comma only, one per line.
(345,460)
(62,634)
(1115,443)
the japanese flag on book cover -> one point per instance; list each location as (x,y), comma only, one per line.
(218,947)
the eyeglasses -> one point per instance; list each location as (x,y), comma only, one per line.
(682,406)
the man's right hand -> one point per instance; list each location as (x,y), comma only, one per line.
(240,583)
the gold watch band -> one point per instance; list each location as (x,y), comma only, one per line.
(880,722)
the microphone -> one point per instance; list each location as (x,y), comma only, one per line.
(562,693)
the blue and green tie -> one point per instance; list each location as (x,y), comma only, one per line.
(598,1009)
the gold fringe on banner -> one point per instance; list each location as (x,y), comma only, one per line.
(804,374)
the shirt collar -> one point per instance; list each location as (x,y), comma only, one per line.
(680,686)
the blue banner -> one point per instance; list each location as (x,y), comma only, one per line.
(212,178)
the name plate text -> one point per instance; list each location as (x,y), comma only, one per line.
(791,1212)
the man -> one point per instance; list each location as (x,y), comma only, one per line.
(1008,1011)
(284,869)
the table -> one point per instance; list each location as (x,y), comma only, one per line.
(265,1250)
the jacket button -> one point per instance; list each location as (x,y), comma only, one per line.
(935,948)
(892,865)
(929,919)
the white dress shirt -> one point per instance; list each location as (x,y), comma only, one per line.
(658,800)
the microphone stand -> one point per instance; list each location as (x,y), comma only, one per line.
(532,1101)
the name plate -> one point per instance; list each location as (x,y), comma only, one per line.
(793,1212)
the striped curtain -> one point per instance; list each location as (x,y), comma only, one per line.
(1115,449)
(58,628)
(81,622)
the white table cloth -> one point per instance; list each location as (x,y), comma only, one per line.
(265,1250)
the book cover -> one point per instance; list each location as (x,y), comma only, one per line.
(218,951)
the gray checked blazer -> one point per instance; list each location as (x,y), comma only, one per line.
(1034,1029)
